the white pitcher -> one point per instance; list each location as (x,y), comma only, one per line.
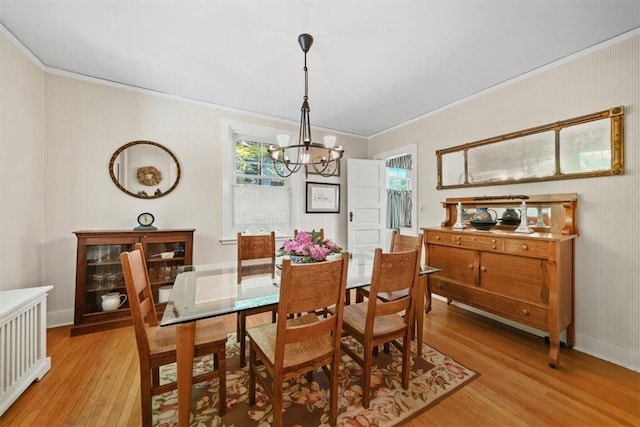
(113,301)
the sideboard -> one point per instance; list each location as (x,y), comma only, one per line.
(525,277)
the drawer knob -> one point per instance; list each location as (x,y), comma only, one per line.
(483,269)
(525,311)
(525,247)
(493,240)
(470,266)
(437,237)
(458,237)
(494,247)
(458,243)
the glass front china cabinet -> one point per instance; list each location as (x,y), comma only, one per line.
(100,300)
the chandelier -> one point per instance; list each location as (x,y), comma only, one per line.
(323,158)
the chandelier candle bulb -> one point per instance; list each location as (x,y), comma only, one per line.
(329,141)
(283,141)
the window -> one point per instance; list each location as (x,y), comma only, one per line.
(398,179)
(255,199)
(253,164)
(399,197)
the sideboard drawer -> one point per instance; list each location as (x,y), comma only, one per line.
(468,241)
(528,248)
(521,311)
(472,241)
(528,313)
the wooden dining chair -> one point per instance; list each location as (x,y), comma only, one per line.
(375,322)
(399,243)
(256,255)
(157,345)
(293,346)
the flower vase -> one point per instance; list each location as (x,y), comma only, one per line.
(301,259)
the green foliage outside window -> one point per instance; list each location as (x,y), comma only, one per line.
(253,164)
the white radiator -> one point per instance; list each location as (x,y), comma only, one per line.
(23,341)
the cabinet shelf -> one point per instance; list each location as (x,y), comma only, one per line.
(179,260)
(98,272)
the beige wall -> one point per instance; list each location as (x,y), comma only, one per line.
(58,133)
(86,121)
(21,169)
(608,249)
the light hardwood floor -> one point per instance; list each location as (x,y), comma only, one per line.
(94,380)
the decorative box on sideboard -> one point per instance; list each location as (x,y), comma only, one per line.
(99,273)
(527,277)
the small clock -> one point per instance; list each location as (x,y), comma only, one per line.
(145,220)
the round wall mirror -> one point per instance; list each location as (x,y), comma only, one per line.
(144,169)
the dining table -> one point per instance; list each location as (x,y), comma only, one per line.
(210,290)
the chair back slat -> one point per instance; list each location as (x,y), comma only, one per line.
(306,332)
(403,243)
(393,271)
(256,247)
(397,270)
(315,285)
(390,307)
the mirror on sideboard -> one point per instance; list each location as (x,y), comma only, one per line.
(581,147)
(144,169)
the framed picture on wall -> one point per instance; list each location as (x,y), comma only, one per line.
(323,198)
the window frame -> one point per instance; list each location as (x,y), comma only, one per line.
(229,128)
(411,149)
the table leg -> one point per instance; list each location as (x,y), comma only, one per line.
(428,295)
(185,337)
(419,312)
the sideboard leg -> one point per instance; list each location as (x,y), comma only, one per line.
(554,349)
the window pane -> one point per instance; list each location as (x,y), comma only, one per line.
(398,179)
(258,184)
(274,213)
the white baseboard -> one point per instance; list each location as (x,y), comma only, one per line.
(59,318)
(627,358)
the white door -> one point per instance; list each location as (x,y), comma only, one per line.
(366,204)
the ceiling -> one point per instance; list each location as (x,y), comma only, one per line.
(374,64)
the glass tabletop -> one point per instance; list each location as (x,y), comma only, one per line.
(209,290)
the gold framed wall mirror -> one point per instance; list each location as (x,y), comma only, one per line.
(144,169)
(581,147)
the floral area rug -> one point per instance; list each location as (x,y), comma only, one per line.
(433,377)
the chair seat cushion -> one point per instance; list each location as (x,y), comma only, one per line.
(384,296)
(295,354)
(355,318)
(209,332)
